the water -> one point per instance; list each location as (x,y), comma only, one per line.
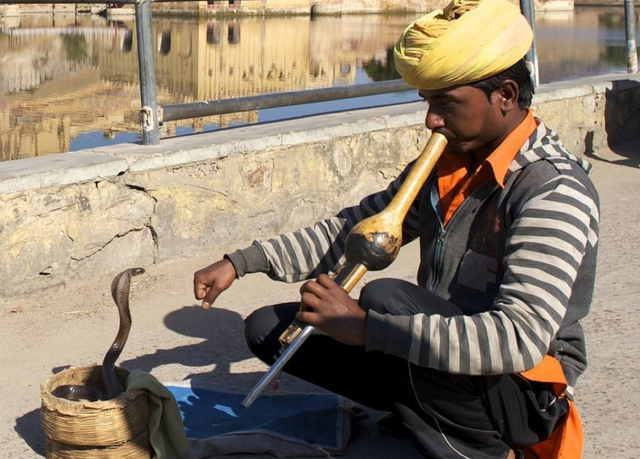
(70,82)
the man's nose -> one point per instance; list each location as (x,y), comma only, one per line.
(433,120)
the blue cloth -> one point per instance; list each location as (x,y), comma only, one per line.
(283,425)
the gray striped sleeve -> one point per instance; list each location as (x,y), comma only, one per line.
(545,247)
(317,249)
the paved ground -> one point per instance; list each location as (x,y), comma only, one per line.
(175,339)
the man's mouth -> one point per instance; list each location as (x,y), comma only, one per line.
(456,147)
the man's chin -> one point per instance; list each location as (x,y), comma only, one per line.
(457,149)
(455,146)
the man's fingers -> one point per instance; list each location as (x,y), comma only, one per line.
(326,281)
(313,288)
(309,302)
(308,317)
(210,282)
(200,290)
(331,287)
(210,297)
(199,287)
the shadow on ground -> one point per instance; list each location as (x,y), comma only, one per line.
(28,427)
(629,150)
(222,335)
(222,332)
(622,125)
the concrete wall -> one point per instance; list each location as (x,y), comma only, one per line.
(91,213)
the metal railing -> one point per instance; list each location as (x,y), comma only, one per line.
(283,99)
(151,115)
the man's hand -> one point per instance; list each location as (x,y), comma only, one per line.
(327,306)
(210,282)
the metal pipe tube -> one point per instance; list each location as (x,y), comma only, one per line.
(242,104)
(147,70)
(277,367)
(388,222)
(630,33)
(527,7)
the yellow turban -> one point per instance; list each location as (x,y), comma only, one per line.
(467,41)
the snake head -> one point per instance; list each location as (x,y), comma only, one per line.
(121,284)
(136,271)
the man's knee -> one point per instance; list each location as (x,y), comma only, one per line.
(402,298)
(263,327)
(255,329)
(382,296)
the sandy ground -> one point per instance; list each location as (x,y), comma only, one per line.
(175,339)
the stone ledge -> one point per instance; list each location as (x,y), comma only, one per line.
(585,86)
(56,170)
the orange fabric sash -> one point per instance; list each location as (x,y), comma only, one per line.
(566,441)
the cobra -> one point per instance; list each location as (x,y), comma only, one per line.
(120,288)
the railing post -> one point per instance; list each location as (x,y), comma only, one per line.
(147,69)
(527,7)
(630,33)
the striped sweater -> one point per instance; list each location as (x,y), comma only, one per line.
(519,261)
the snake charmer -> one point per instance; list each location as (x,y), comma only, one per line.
(480,357)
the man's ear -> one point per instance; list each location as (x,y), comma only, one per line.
(508,96)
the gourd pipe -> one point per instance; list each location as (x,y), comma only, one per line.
(373,244)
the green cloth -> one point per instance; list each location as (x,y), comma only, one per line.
(166,432)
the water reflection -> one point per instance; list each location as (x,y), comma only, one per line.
(588,41)
(71,82)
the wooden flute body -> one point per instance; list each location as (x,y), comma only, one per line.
(373,244)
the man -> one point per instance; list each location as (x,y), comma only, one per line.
(473,361)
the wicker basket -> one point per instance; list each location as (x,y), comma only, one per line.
(115,428)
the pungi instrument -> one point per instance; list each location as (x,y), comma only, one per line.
(372,245)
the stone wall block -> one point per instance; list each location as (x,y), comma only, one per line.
(341,160)
(383,155)
(204,205)
(34,247)
(44,232)
(357,166)
(103,212)
(305,184)
(185,219)
(302,170)
(571,120)
(131,250)
(255,177)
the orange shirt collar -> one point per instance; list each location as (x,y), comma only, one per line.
(455,166)
(502,156)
